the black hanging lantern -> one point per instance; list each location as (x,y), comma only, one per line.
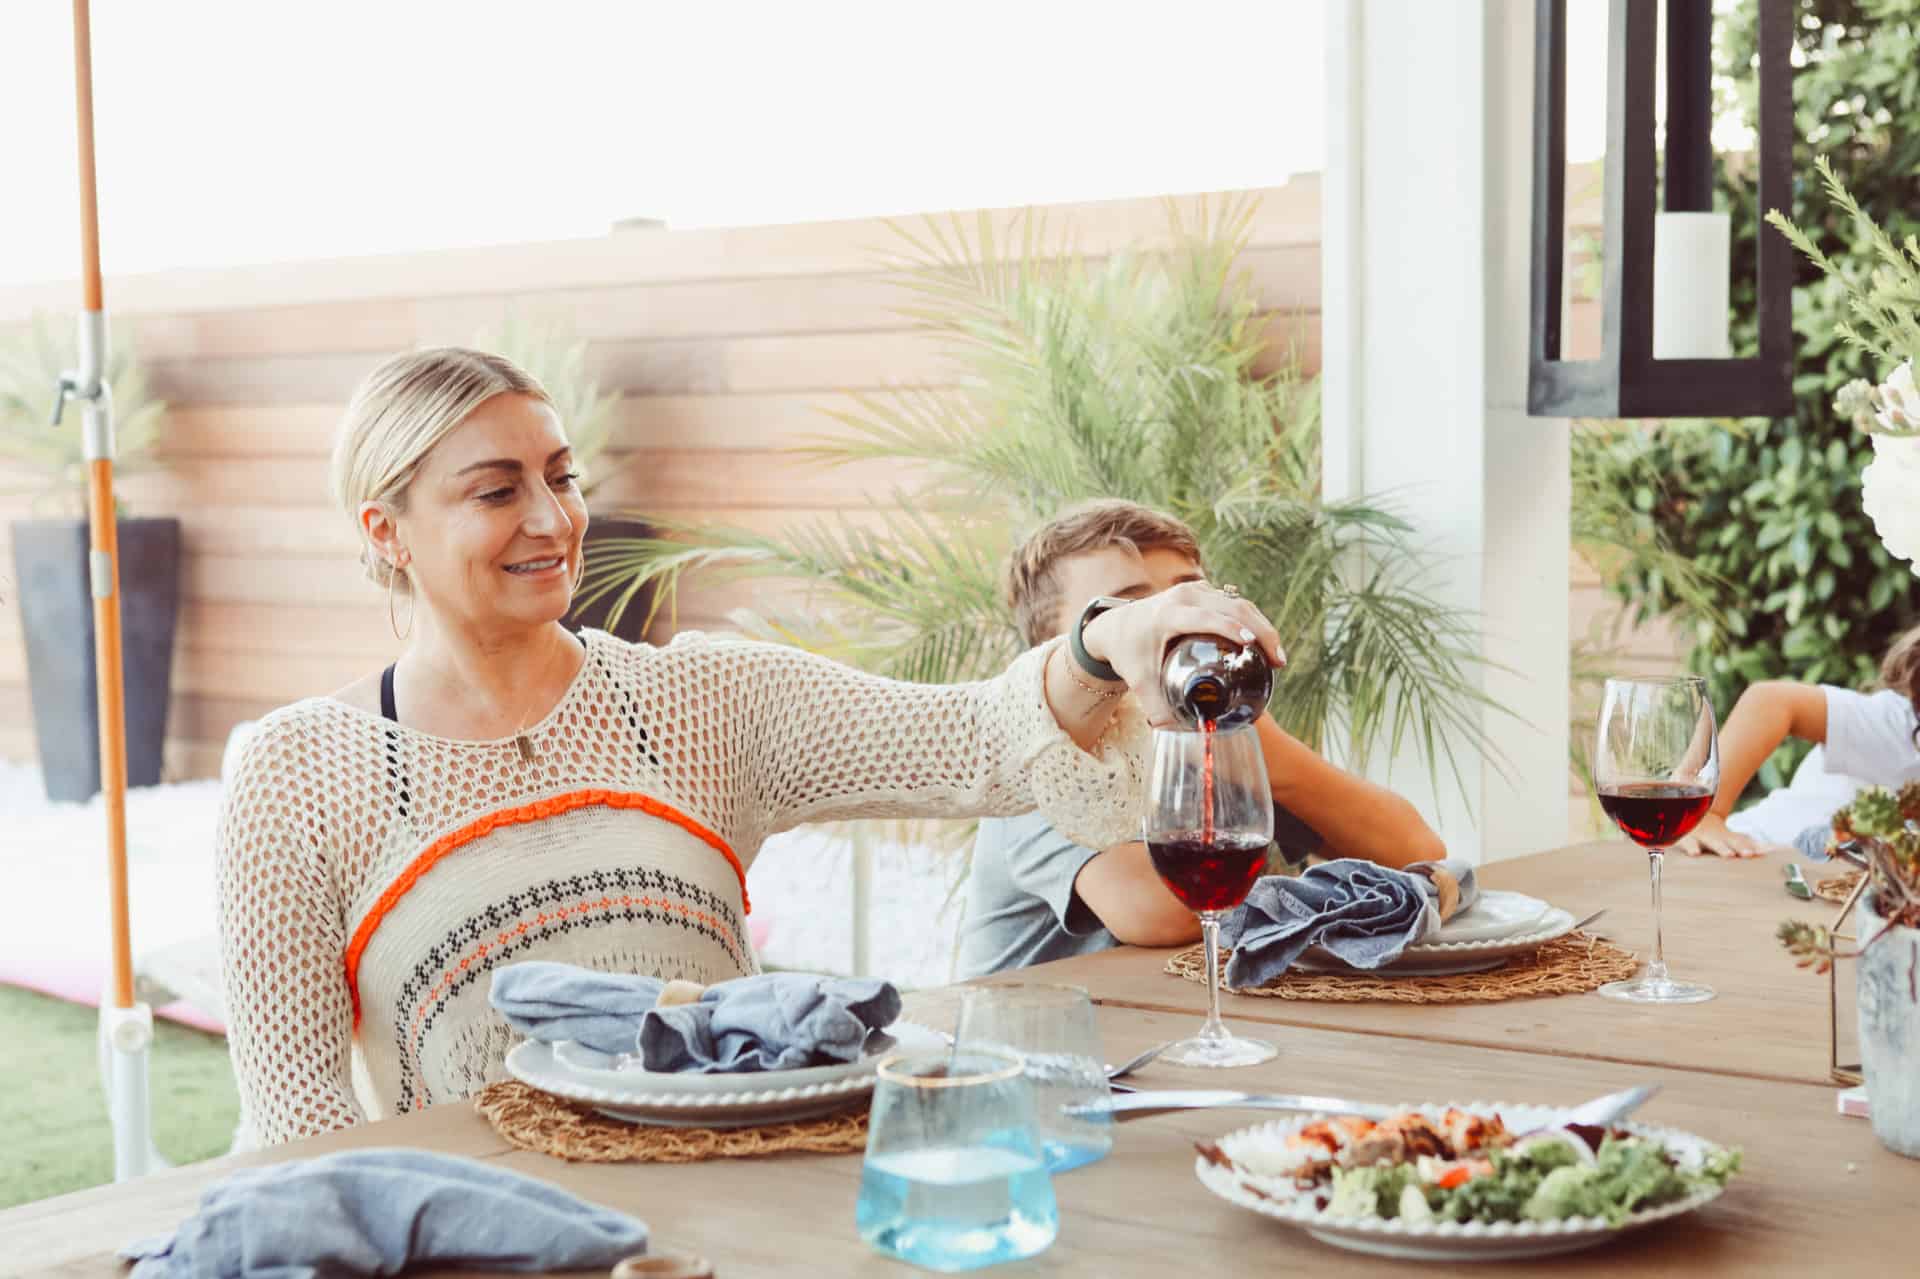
(1664,309)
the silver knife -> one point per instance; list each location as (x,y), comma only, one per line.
(1138,1105)
(1602,1111)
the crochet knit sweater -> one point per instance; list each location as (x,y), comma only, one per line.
(372,877)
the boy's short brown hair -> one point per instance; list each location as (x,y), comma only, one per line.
(1033,584)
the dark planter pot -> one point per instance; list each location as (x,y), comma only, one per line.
(56,611)
(633,617)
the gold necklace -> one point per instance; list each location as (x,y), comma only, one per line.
(520,738)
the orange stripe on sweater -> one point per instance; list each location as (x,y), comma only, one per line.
(533,812)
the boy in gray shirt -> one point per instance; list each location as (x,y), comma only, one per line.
(1033,895)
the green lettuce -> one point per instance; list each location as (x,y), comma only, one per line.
(1497,1196)
(1627,1176)
(1548,1182)
(1369,1192)
(1548,1155)
(1544,1181)
(1569,1191)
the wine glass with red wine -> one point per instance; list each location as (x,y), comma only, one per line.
(1656,767)
(1208,825)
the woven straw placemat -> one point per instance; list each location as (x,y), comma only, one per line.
(1570,965)
(1835,890)
(538,1121)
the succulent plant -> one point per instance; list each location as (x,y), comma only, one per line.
(1875,813)
(1885,826)
(1810,944)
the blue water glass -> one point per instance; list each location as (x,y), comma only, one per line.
(953,1178)
(1052,1028)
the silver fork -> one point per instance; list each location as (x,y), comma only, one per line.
(1127,1068)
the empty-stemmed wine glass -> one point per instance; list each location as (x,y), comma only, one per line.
(1209,822)
(1656,766)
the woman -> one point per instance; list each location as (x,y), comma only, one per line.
(508,790)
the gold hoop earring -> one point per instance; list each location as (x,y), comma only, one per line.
(394,572)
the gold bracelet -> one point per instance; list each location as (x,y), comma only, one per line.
(1101,694)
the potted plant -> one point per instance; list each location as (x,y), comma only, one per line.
(50,557)
(1880,826)
(550,351)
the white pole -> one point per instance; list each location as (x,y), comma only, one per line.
(1426,251)
(862,875)
(126,1035)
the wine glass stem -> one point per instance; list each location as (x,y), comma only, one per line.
(1210,934)
(1657,970)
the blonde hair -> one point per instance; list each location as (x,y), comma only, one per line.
(400,412)
(1033,580)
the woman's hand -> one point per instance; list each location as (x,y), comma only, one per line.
(1712,836)
(1134,637)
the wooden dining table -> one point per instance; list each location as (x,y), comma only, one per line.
(1818,1194)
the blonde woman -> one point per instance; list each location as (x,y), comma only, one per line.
(509,790)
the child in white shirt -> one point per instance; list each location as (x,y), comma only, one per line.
(1865,739)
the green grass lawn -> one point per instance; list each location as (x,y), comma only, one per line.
(53,1117)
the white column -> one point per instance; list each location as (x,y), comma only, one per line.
(1429,172)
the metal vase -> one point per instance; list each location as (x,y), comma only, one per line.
(1889,1001)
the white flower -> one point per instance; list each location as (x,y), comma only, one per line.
(1890,491)
(1897,402)
(1854,402)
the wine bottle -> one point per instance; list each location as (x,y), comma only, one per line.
(1208,680)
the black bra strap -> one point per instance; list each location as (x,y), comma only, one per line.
(387,707)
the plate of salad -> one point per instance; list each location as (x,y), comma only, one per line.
(1480,1181)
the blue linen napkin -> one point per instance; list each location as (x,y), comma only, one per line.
(1811,843)
(1362,913)
(772,1021)
(775,1021)
(551,1002)
(375,1212)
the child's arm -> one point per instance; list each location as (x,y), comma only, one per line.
(1355,817)
(1766,715)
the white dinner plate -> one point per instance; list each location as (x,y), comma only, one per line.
(1493,915)
(1444,958)
(1276,1196)
(626,1074)
(737,1100)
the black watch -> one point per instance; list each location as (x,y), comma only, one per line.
(1076,642)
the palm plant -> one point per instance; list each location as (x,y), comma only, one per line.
(31,362)
(1147,376)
